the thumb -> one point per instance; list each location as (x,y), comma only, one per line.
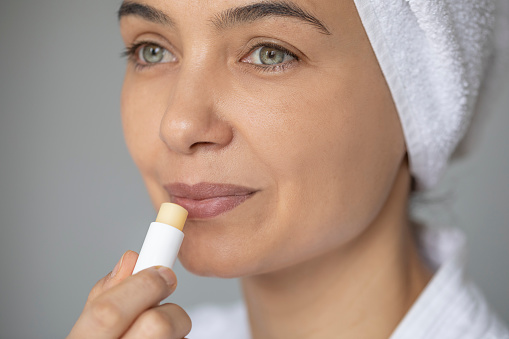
(123,269)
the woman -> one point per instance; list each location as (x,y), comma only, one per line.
(294,133)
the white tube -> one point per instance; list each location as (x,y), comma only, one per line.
(162,242)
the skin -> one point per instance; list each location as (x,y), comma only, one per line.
(327,233)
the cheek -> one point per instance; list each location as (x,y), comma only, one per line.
(329,133)
(142,107)
(333,149)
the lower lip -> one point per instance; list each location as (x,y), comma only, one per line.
(212,207)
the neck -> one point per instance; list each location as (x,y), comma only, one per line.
(361,290)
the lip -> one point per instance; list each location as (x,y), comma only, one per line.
(208,200)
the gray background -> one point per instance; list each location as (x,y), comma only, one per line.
(71,200)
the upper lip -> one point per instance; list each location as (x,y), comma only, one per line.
(205,190)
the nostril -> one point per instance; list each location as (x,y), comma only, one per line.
(200,144)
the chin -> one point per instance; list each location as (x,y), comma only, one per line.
(215,265)
(215,256)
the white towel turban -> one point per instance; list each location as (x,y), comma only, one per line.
(434,55)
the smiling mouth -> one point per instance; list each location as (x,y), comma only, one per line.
(208,200)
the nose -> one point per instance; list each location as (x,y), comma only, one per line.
(192,120)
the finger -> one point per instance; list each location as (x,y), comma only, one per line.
(168,321)
(111,313)
(122,270)
(126,267)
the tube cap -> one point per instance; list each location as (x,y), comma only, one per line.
(172,214)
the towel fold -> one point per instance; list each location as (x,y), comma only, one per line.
(434,55)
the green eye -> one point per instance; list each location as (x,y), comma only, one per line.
(154,54)
(271,56)
(151,54)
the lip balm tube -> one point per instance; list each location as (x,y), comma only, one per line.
(163,239)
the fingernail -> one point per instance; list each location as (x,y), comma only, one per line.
(167,275)
(117,266)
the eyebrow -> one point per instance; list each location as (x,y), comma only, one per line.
(143,11)
(256,11)
(230,17)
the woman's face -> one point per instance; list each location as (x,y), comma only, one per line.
(270,121)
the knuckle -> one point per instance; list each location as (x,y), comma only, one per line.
(156,324)
(187,320)
(184,316)
(105,314)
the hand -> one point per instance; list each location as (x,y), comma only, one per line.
(126,306)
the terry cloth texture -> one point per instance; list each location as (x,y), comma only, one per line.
(435,56)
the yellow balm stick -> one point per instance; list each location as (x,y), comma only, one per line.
(172,214)
(163,239)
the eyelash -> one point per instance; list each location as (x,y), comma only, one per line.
(131,53)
